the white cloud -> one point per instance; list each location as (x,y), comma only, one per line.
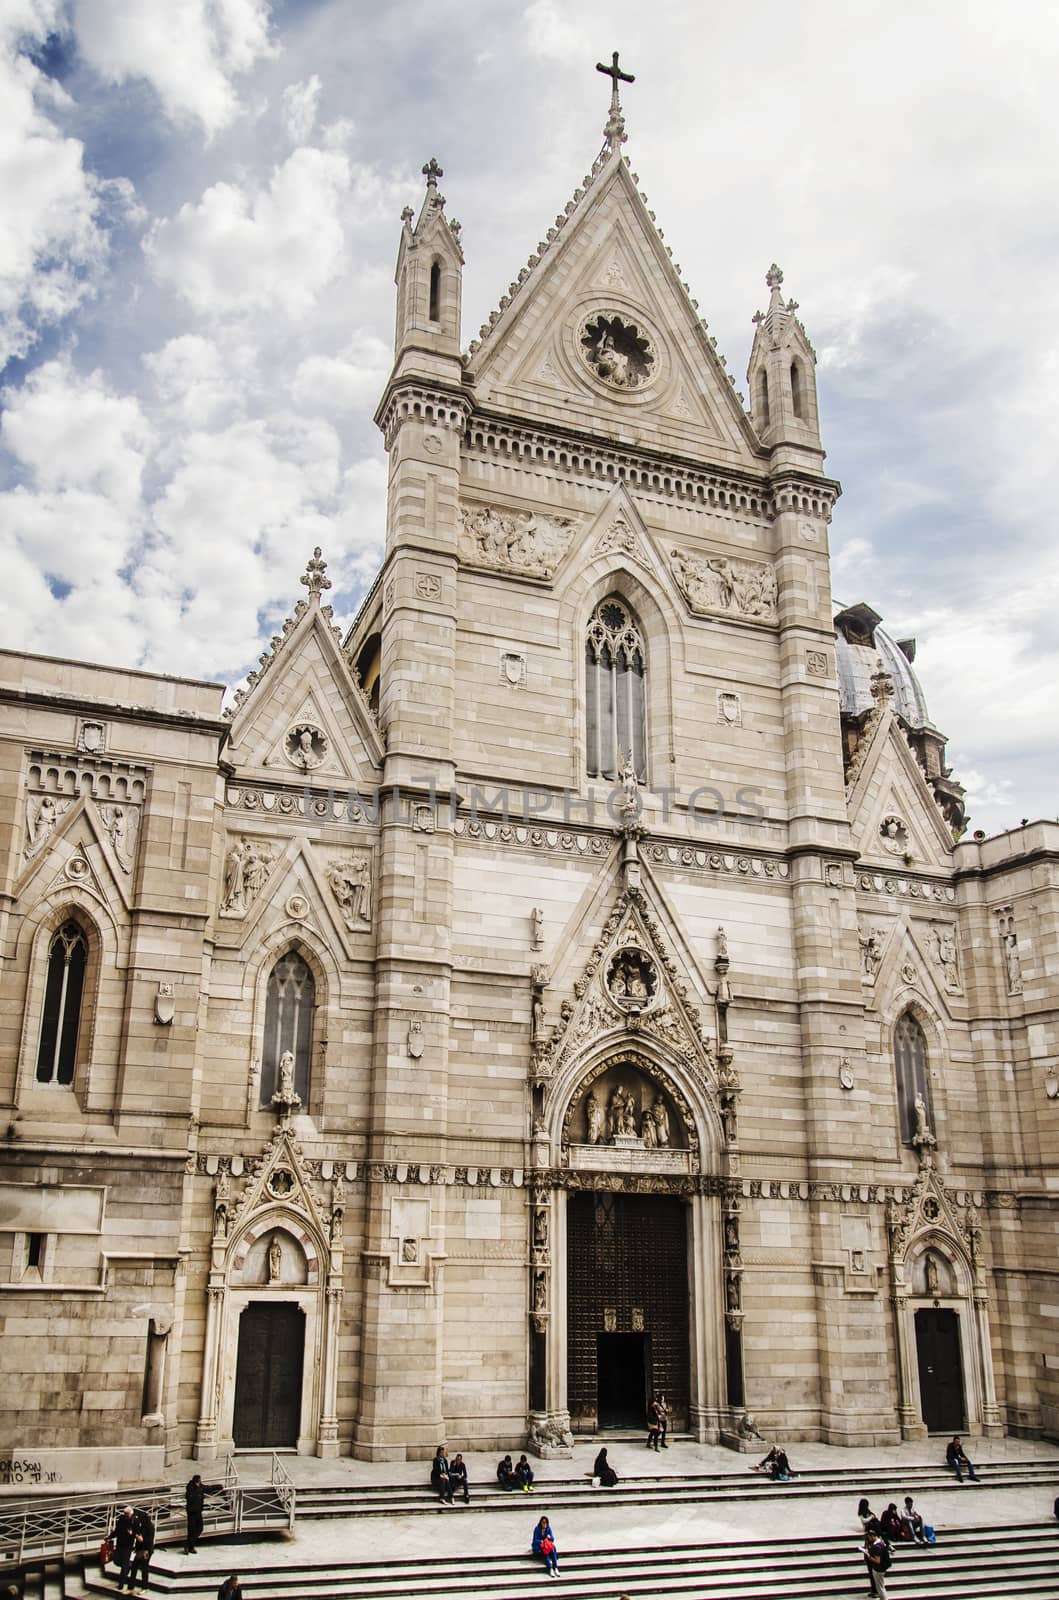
(51,244)
(247,248)
(197,381)
(189,52)
(300,103)
(345,384)
(75,433)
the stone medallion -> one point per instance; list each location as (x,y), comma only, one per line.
(306,746)
(617,350)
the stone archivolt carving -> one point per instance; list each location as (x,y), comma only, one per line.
(246,869)
(514,541)
(349,879)
(717,585)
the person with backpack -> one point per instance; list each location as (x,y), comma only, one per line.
(877,1559)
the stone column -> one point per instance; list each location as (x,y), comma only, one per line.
(206,1432)
(327,1437)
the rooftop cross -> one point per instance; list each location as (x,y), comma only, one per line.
(614,132)
(432,172)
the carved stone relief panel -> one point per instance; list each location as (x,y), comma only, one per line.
(514,541)
(720,586)
(349,878)
(247,864)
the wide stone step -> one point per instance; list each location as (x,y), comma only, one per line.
(973,1563)
(401,1499)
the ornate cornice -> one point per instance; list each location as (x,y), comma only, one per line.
(904,886)
(406,400)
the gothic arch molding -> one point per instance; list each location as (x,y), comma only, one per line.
(651,1069)
(909,1000)
(106,955)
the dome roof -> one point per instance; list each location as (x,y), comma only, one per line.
(861,643)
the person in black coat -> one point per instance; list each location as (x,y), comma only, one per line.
(194,1500)
(231,1588)
(459,1483)
(125,1547)
(141,1563)
(602,1469)
(439,1476)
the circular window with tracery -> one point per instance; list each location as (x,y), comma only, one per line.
(618,351)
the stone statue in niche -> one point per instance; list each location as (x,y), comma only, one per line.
(285,1097)
(537,928)
(631,980)
(659,1116)
(1012,964)
(594,1118)
(922,1138)
(409,1251)
(350,883)
(540,1291)
(246,868)
(623,1117)
(894,835)
(275,1259)
(540,1230)
(42,818)
(870,951)
(537,1007)
(930,1274)
(305,746)
(415,1038)
(946,955)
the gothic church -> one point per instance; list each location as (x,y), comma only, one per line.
(572,981)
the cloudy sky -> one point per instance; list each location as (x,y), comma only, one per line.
(200,220)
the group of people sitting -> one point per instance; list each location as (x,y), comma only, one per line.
(449,1478)
(882,1533)
(776,1465)
(519,1476)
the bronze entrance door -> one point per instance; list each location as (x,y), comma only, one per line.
(626,1308)
(940,1370)
(268,1379)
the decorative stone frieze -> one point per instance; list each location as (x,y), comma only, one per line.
(302,804)
(905,887)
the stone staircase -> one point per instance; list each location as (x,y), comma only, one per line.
(970,1563)
(880,1484)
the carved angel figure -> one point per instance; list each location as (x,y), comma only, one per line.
(41,819)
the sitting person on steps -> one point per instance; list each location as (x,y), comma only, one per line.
(544,1546)
(458,1480)
(523,1474)
(440,1480)
(602,1469)
(505,1474)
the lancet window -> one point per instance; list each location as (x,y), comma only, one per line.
(63,994)
(913,1078)
(289,1004)
(615,679)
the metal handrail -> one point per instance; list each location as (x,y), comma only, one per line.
(56,1527)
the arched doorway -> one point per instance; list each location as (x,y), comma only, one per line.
(633,1248)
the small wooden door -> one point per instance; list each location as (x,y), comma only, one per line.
(268,1379)
(940,1370)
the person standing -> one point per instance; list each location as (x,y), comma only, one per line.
(125,1547)
(663,1421)
(877,1559)
(194,1501)
(654,1423)
(957,1458)
(544,1546)
(141,1565)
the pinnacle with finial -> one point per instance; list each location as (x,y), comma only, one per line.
(432,172)
(315,576)
(774,277)
(614,132)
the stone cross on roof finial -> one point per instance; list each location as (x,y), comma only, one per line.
(774,276)
(614,132)
(432,172)
(315,576)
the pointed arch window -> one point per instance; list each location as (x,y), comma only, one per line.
(913,1078)
(797,390)
(763,398)
(289,1003)
(435,291)
(615,698)
(64,990)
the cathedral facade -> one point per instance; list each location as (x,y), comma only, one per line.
(573,981)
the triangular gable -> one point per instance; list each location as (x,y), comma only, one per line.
(332,888)
(280,1180)
(607,258)
(79,851)
(906,968)
(640,977)
(304,718)
(619,534)
(892,811)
